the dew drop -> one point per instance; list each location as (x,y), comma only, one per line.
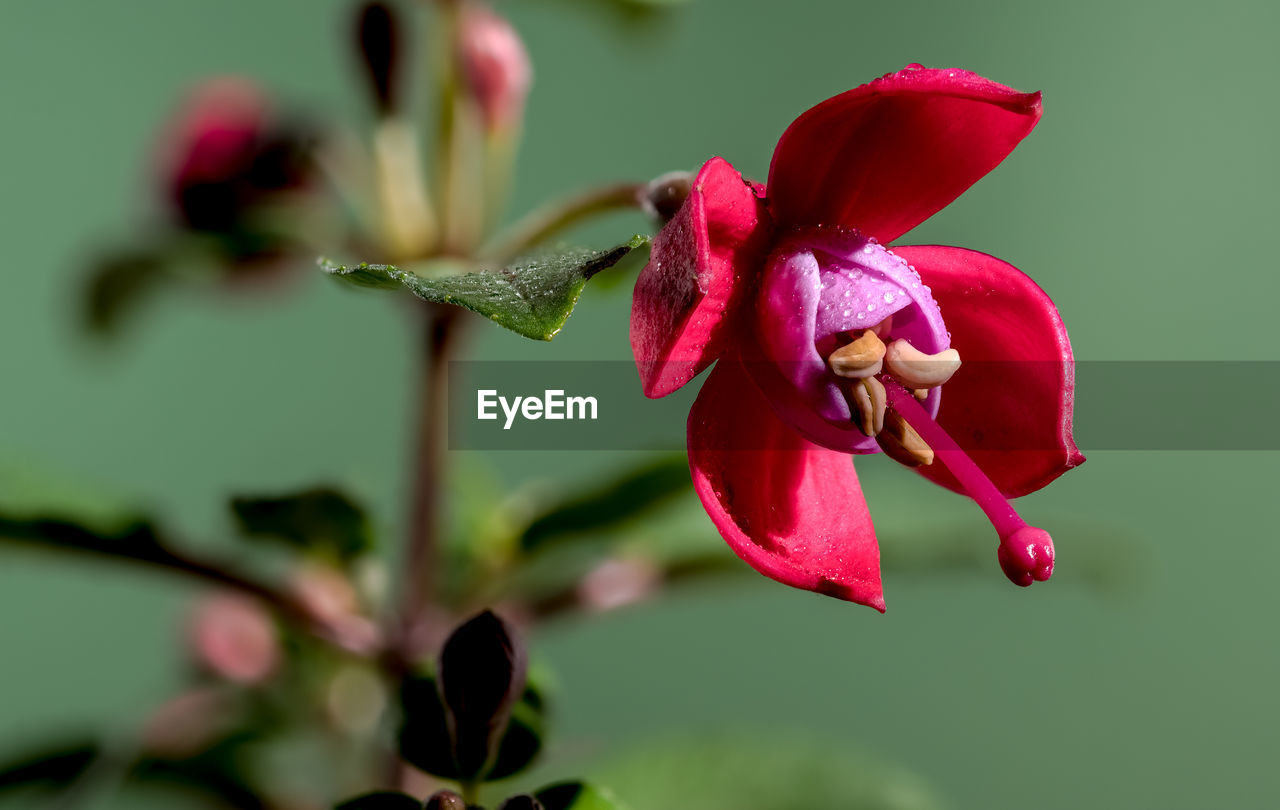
(888,298)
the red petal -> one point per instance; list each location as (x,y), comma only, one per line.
(1009,406)
(696,275)
(793,510)
(885,156)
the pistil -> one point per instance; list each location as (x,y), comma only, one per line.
(1025,552)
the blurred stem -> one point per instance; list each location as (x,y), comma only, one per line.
(163,557)
(500,149)
(408,223)
(459,194)
(549,220)
(470,793)
(440,327)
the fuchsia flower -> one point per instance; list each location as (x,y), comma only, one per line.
(830,344)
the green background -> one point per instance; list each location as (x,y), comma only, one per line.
(1142,204)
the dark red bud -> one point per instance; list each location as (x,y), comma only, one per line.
(481,675)
(445,800)
(378,31)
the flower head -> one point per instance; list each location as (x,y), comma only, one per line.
(829,343)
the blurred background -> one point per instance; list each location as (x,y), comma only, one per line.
(1142,676)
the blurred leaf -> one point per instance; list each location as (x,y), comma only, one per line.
(763,772)
(211,773)
(316,519)
(576,796)
(612,502)
(522,802)
(382,801)
(425,742)
(119,282)
(532,297)
(136,539)
(56,766)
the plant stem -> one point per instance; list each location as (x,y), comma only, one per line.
(439,325)
(545,222)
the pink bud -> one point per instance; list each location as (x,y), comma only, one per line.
(189,723)
(495,66)
(619,582)
(234,637)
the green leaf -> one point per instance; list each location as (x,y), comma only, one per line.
(532,297)
(576,796)
(317,519)
(611,503)
(382,801)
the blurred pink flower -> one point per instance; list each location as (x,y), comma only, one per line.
(235,638)
(226,151)
(771,281)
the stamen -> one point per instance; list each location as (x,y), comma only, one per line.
(915,369)
(903,444)
(859,359)
(1026,552)
(868,400)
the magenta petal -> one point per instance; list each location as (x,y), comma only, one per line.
(885,156)
(1009,406)
(792,510)
(699,269)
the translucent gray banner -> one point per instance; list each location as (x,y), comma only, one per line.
(1119,405)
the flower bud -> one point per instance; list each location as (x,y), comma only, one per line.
(235,638)
(189,723)
(665,195)
(223,153)
(445,800)
(379,41)
(482,672)
(495,66)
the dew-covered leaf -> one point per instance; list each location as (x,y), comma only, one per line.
(532,297)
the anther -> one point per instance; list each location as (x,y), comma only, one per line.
(915,369)
(860,359)
(868,399)
(900,442)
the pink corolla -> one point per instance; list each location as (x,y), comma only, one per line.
(829,344)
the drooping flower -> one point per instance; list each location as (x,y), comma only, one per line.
(828,344)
